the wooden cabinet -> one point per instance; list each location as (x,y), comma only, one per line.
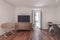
(23,26)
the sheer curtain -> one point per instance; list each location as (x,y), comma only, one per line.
(37,18)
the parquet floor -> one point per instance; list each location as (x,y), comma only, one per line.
(27,35)
(22,35)
(48,36)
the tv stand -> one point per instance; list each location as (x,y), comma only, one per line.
(23,26)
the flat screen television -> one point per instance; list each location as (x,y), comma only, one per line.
(23,18)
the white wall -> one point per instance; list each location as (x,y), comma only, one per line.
(48,14)
(58,15)
(23,11)
(6,14)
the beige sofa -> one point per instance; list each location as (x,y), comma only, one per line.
(23,26)
(16,26)
(8,27)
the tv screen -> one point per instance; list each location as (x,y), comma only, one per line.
(23,18)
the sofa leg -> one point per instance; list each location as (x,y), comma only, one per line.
(12,32)
(5,35)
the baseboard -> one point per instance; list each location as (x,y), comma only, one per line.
(45,29)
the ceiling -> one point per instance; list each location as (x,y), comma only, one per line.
(34,3)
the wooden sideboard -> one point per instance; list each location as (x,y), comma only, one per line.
(23,26)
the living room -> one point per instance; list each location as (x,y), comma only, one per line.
(9,11)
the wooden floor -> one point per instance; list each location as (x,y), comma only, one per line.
(47,36)
(50,35)
(27,35)
(22,35)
